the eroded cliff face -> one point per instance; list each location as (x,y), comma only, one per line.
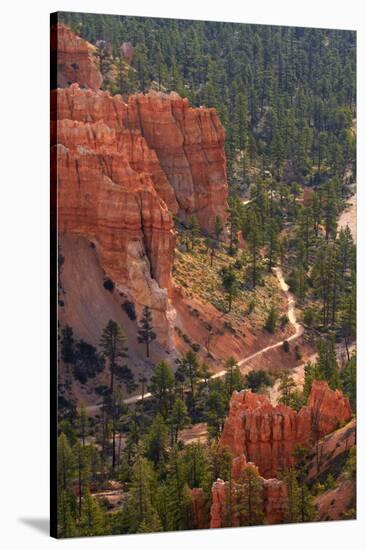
(76,61)
(189,143)
(267,435)
(124,169)
(107,191)
(113,190)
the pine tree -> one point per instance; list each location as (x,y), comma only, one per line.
(326,364)
(142,494)
(349,381)
(67,345)
(230,284)
(146,335)
(65,463)
(114,408)
(271,321)
(175,493)
(197,467)
(229,367)
(249,497)
(161,386)
(82,423)
(66,527)
(156,441)
(216,405)
(113,344)
(82,471)
(189,369)
(179,418)
(219,228)
(293,513)
(193,230)
(252,235)
(286,388)
(273,244)
(233,223)
(92,521)
(311,374)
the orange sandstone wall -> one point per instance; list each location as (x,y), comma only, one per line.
(267,434)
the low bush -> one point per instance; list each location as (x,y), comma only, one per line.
(108,284)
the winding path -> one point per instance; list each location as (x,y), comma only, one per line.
(291,312)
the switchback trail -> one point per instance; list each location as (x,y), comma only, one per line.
(291,313)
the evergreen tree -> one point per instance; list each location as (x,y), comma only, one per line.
(286,388)
(193,230)
(189,368)
(230,284)
(349,381)
(65,463)
(252,234)
(179,418)
(156,441)
(161,386)
(219,228)
(271,321)
(82,423)
(67,345)
(250,498)
(66,527)
(293,514)
(145,331)
(92,521)
(113,344)
(82,471)
(142,495)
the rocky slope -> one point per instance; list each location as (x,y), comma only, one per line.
(267,435)
(338,503)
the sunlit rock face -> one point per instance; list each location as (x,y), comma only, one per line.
(267,435)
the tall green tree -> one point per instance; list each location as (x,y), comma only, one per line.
(249,496)
(230,284)
(113,344)
(145,332)
(161,386)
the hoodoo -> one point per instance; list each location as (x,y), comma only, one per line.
(267,435)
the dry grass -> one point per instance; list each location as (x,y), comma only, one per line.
(193,272)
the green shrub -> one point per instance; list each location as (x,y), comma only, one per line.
(286,346)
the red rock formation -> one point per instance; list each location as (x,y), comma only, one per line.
(219,492)
(105,194)
(189,143)
(330,408)
(267,434)
(112,188)
(75,59)
(274,498)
